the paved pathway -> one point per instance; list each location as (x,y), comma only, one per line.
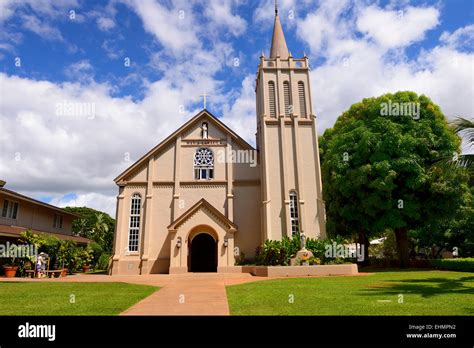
(190,294)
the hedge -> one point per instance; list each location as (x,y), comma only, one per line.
(463,265)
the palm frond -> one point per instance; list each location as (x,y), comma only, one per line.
(466,127)
(449,164)
(467,161)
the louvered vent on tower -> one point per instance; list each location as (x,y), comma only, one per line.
(272,99)
(302,97)
(286,92)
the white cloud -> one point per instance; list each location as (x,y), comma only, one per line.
(461,37)
(41,7)
(82,151)
(112,49)
(37,16)
(91,200)
(359,67)
(6,9)
(105,23)
(173,27)
(240,115)
(220,14)
(80,71)
(41,28)
(325,26)
(392,29)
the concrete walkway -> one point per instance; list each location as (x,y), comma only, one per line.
(190,294)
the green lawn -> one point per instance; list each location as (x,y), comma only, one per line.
(30,298)
(424,293)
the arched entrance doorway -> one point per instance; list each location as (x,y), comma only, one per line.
(203,253)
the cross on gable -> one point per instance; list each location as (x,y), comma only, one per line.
(204,97)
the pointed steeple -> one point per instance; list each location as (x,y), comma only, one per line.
(279,47)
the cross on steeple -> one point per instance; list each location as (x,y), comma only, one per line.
(204,97)
(276,7)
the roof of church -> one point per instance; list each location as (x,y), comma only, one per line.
(203,113)
(279,47)
(201,204)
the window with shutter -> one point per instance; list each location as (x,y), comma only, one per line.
(302,97)
(272,99)
(287,97)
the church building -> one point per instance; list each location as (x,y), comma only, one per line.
(204,197)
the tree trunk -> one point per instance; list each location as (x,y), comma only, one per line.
(364,242)
(401,235)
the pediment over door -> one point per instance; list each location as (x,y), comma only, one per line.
(202,213)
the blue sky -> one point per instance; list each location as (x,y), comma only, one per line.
(46,57)
(181,49)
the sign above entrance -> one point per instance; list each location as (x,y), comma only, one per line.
(199,142)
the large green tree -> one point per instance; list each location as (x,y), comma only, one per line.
(458,232)
(95,225)
(378,173)
(449,234)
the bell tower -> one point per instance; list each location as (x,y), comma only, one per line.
(288,144)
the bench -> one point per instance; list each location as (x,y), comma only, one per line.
(30,273)
(54,274)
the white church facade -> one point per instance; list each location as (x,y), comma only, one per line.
(204,196)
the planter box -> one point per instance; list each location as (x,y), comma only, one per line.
(283,271)
(304,271)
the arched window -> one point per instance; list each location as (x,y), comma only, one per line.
(287,98)
(203,164)
(134,228)
(272,99)
(294,213)
(302,98)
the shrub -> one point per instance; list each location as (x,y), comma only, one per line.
(96,251)
(103,261)
(51,247)
(462,265)
(24,264)
(270,254)
(274,252)
(72,256)
(314,261)
(66,255)
(62,253)
(85,256)
(376,262)
(241,260)
(318,247)
(336,261)
(44,243)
